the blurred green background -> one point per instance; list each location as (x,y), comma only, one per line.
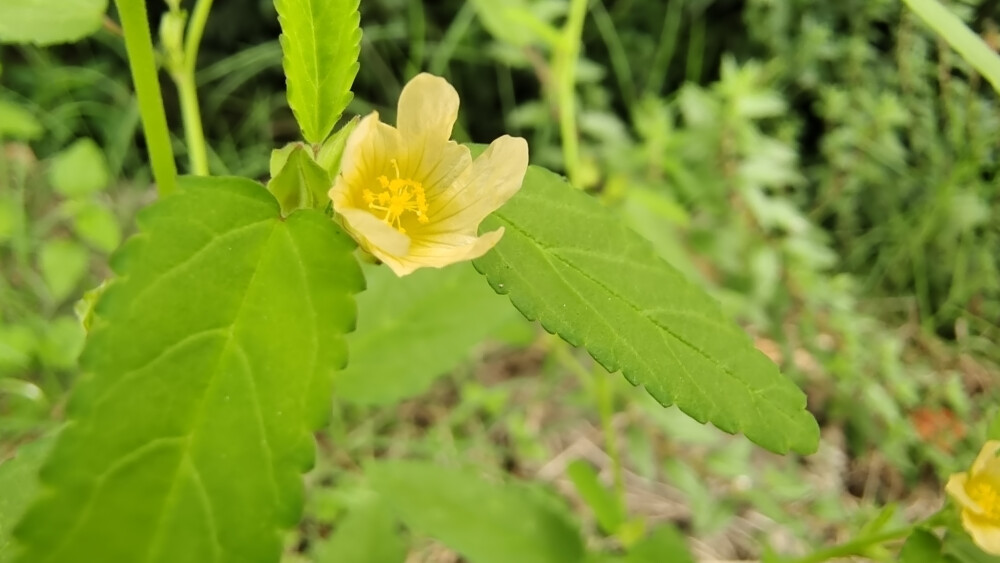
(827,169)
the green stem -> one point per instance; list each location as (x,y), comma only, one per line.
(856,546)
(567,52)
(191,117)
(605,404)
(187,89)
(139,45)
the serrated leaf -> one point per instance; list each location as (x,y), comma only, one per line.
(79,170)
(301,183)
(367,535)
(47,22)
(569,263)
(483,521)
(17,122)
(321,41)
(433,318)
(208,365)
(601,501)
(18,484)
(62,263)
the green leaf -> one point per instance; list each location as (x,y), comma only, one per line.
(301,183)
(63,263)
(17,122)
(663,544)
(367,535)
(96,225)
(601,501)
(432,318)
(19,482)
(18,344)
(61,343)
(208,365)
(46,22)
(485,522)
(10,217)
(969,45)
(333,148)
(569,263)
(514,22)
(79,170)
(321,41)
(921,547)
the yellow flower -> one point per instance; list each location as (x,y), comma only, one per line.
(412,197)
(978,493)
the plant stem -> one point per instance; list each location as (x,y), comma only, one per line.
(187,89)
(567,52)
(856,546)
(605,405)
(139,45)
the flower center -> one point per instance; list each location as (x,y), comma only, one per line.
(986,496)
(396,197)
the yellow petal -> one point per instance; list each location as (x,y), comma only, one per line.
(443,251)
(986,457)
(493,179)
(984,532)
(428,107)
(956,488)
(375,236)
(435,164)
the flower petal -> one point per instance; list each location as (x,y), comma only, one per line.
(374,235)
(443,252)
(956,488)
(493,179)
(428,107)
(986,457)
(366,156)
(984,532)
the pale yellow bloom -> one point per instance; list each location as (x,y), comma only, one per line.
(978,494)
(412,197)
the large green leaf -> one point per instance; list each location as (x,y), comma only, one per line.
(321,41)
(45,22)
(430,318)
(209,364)
(568,262)
(485,522)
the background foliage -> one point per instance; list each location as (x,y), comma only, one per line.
(827,169)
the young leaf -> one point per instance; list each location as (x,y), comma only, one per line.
(79,170)
(367,535)
(431,317)
(301,183)
(484,522)
(208,364)
(569,263)
(19,481)
(63,263)
(321,41)
(96,225)
(921,547)
(18,123)
(46,22)
(601,501)
(662,544)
